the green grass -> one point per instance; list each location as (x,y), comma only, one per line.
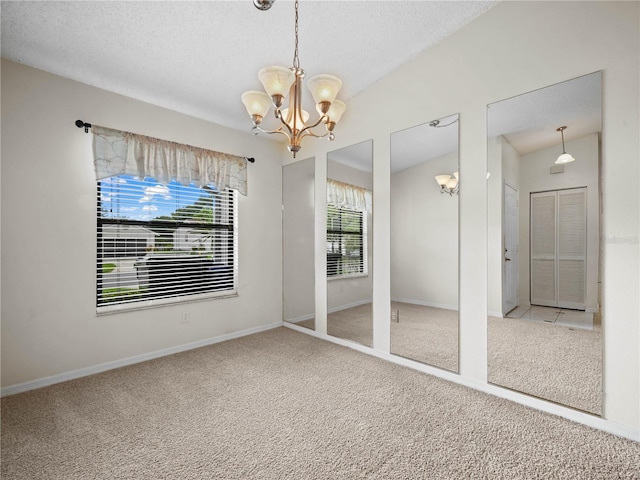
(115,294)
(108,267)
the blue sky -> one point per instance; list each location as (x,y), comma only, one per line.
(129,197)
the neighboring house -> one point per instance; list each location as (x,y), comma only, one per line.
(134,240)
(188,239)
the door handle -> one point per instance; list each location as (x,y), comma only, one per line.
(507,259)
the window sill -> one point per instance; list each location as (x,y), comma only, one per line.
(162,302)
(347,276)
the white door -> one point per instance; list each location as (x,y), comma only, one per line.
(572,248)
(558,248)
(510,298)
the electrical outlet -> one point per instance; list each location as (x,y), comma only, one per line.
(184,317)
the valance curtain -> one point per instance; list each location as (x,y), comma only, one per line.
(116,152)
(349,196)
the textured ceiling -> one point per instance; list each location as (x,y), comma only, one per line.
(198,57)
(529,121)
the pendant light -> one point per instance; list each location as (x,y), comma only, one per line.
(564,157)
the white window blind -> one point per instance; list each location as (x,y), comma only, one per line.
(162,243)
(346,241)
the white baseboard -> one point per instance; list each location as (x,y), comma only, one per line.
(349,305)
(301,318)
(103,367)
(577,416)
(444,306)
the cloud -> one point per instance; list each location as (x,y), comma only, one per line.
(150,208)
(157,190)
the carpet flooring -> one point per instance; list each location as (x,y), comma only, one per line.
(554,362)
(284,405)
(557,363)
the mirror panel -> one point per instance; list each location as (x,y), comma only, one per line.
(298,226)
(424,243)
(544,326)
(350,242)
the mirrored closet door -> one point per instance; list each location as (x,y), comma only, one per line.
(298,226)
(544,326)
(349,243)
(424,243)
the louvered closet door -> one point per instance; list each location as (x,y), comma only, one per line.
(543,249)
(572,247)
(558,248)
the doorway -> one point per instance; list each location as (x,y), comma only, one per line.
(510,297)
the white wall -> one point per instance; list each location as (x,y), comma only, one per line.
(503,163)
(535,177)
(351,291)
(424,235)
(298,240)
(49,321)
(515,47)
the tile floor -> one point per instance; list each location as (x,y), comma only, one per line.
(557,316)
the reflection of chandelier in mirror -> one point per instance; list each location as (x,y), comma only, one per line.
(449,183)
(564,156)
(277,81)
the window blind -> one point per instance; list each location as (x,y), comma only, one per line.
(160,243)
(346,241)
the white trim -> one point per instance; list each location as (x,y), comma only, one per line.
(496,314)
(301,318)
(444,306)
(103,367)
(582,418)
(349,305)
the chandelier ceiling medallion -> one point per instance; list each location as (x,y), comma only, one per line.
(277,82)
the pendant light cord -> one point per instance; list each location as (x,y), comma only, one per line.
(296,60)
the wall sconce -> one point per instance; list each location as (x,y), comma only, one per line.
(449,183)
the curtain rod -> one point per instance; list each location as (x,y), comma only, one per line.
(87,126)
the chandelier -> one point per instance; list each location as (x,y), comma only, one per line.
(277,82)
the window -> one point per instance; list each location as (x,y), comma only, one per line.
(346,241)
(163,243)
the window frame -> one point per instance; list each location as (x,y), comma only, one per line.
(231,229)
(361,234)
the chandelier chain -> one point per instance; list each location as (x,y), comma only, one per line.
(296,60)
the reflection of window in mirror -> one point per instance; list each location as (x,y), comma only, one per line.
(349,243)
(347,249)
